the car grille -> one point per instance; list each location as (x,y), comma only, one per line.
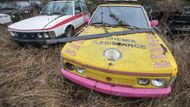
(26,35)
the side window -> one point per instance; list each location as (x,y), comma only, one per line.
(83,6)
(77,8)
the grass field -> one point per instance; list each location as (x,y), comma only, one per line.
(30,77)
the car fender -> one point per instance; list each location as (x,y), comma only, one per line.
(67,25)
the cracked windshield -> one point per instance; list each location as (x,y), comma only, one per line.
(132,17)
(58,8)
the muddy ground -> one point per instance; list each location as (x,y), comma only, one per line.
(30,77)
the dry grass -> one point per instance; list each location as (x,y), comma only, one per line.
(30,77)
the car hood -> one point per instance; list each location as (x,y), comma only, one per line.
(38,23)
(139,52)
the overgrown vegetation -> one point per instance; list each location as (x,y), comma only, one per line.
(30,77)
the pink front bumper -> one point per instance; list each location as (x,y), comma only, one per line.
(117,90)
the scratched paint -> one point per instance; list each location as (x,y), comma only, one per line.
(70,52)
(159,56)
(72,45)
(162,64)
(79,42)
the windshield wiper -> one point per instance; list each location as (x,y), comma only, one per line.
(101,23)
(45,13)
(59,13)
(131,26)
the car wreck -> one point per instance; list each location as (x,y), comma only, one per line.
(14,11)
(120,53)
(58,19)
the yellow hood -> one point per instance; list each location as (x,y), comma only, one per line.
(139,52)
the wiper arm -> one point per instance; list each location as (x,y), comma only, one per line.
(133,26)
(57,13)
(44,13)
(101,23)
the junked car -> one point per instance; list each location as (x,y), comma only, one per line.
(37,4)
(119,53)
(14,11)
(58,19)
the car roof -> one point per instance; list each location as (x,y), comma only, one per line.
(123,4)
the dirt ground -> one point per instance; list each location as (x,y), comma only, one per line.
(30,77)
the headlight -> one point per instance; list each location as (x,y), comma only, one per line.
(158,82)
(12,34)
(143,81)
(80,70)
(69,66)
(46,35)
(40,35)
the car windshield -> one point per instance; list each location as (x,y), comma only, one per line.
(23,5)
(64,8)
(8,5)
(120,16)
(14,5)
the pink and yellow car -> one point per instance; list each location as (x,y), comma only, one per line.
(119,53)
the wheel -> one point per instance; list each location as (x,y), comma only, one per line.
(69,32)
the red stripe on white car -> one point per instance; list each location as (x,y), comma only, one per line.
(58,24)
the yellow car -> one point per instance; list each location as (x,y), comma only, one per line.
(119,53)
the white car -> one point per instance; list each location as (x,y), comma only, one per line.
(58,19)
(5,19)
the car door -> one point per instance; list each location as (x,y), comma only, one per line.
(85,14)
(79,15)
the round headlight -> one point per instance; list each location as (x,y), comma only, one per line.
(80,70)
(12,34)
(143,81)
(46,35)
(40,35)
(69,66)
(158,82)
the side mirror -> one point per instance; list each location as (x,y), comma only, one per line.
(154,23)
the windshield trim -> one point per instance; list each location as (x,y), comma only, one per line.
(143,10)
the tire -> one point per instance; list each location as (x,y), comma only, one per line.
(69,32)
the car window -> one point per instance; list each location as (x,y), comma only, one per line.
(115,15)
(77,8)
(15,5)
(83,6)
(23,5)
(65,8)
(8,5)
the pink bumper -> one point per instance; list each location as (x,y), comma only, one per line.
(117,90)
